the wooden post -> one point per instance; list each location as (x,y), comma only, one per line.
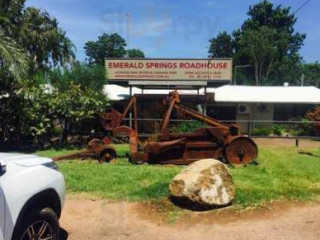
(130,113)
(205,102)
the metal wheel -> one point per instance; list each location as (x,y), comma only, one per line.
(106,154)
(241,150)
(39,230)
(107,157)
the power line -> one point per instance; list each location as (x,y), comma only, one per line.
(299,8)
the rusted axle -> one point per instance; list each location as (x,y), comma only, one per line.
(96,149)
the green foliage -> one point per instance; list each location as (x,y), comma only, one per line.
(107,45)
(262,47)
(135,53)
(278,129)
(46,43)
(185,127)
(75,95)
(30,40)
(45,107)
(312,74)
(36,112)
(14,62)
(314,116)
(13,58)
(87,76)
(74,105)
(261,132)
(302,128)
(58,102)
(221,46)
(267,41)
(37,33)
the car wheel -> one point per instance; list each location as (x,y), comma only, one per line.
(40,225)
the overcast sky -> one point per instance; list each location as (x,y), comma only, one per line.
(169,28)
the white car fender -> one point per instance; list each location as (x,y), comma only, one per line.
(24,185)
(2,214)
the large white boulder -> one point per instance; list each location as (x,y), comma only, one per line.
(204,183)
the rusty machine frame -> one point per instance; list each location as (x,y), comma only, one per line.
(218,140)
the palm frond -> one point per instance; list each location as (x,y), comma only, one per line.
(13,57)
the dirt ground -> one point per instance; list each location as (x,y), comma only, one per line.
(277,142)
(85,219)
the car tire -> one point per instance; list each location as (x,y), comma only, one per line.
(39,224)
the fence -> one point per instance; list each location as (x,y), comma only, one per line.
(253,128)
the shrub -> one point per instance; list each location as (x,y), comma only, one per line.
(261,132)
(314,115)
(185,127)
(278,129)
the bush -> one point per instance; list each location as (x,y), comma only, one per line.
(278,129)
(314,115)
(301,129)
(261,132)
(185,127)
(52,105)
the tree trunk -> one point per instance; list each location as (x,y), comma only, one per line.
(65,132)
(269,68)
(256,72)
(260,73)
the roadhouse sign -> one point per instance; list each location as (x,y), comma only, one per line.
(169,69)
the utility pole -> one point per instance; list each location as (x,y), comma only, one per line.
(127,15)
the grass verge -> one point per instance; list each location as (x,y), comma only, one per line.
(282,174)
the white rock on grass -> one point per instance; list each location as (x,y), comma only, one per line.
(205,183)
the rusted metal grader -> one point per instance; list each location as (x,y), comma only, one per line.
(218,140)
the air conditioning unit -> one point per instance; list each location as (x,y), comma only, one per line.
(263,108)
(243,109)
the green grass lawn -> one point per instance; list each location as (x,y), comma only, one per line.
(282,174)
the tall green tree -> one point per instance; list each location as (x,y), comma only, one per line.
(262,48)
(221,46)
(45,42)
(107,45)
(135,53)
(267,40)
(278,18)
(30,40)
(37,33)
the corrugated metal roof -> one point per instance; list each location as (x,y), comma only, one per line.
(116,92)
(264,94)
(238,94)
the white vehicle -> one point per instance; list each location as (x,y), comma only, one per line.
(31,197)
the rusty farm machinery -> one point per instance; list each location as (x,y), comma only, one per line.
(216,140)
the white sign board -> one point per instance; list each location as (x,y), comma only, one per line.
(169,69)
